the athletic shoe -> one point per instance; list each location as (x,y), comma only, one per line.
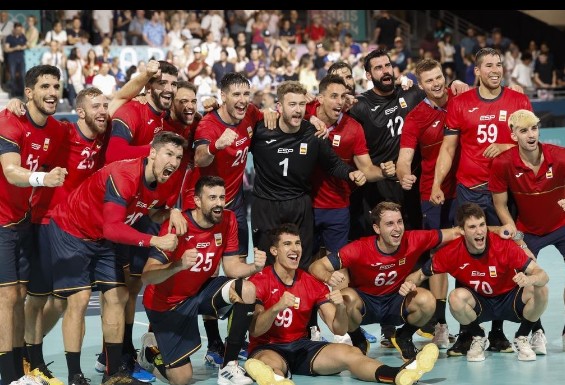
(539,342)
(427,331)
(215,354)
(344,339)
(263,373)
(148,341)
(498,342)
(386,332)
(27,366)
(461,345)
(45,374)
(368,336)
(28,379)
(78,379)
(121,377)
(522,346)
(100,364)
(141,374)
(413,370)
(233,374)
(405,346)
(441,336)
(476,352)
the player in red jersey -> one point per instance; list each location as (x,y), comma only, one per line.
(286,298)
(533,173)
(477,121)
(181,285)
(377,266)
(497,281)
(423,132)
(28,151)
(85,228)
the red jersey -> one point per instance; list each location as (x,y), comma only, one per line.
(38,148)
(347,139)
(534,194)
(480,123)
(137,124)
(230,162)
(81,157)
(291,324)
(423,129)
(212,244)
(488,275)
(377,273)
(120,183)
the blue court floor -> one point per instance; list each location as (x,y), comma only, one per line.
(498,368)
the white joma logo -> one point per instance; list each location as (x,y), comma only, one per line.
(270,141)
(473,109)
(189,238)
(150,121)
(464,266)
(435,123)
(374,109)
(519,174)
(274,291)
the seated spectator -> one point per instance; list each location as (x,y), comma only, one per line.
(222,67)
(154,33)
(194,26)
(315,31)
(122,21)
(307,74)
(117,73)
(403,55)
(254,62)
(84,45)
(55,56)
(522,74)
(57,33)
(261,81)
(287,32)
(269,101)
(196,66)
(76,80)
(206,87)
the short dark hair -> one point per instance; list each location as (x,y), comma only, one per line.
(466,211)
(379,209)
(339,65)
(34,73)
(330,79)
(164,137)
(233,78)
(89,91)
(487,51)
(208,181)
(373,54)
(166,68)
(187,85)
(285,228)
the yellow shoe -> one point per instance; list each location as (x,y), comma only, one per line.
(413,370)
(260,372)
(45,375)
(27,366)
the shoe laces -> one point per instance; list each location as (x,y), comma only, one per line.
(79,379)
(478,343)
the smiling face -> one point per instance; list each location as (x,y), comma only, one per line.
(163,91)
(390,230)
(287,251)
(94,111)
(235,101)
(44,96)
(184,105)
(433,84)
(475,233)
(164,161)
(211,203)
(490,71)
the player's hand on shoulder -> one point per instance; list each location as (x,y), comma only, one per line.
(189,258)
(350,100)
(458,87)
(270,118)
(55,177)
(16,107)
(260,258)
(178,222)
(321,129)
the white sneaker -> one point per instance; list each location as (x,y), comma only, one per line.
(147,341)
(521,345)
(539,342)
(233,374)
(476,352)
(27,379)
(344,339)
(441,336)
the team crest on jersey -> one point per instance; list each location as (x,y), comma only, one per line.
(502,116)
(336,140)
(296,302)
(403,103)
(303,148)
(492,271)
(46,144)
(549,173)
(250,132)
(402,261)
(218,239)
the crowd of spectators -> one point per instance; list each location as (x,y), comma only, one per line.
(268,46)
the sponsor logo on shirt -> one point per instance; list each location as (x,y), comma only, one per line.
(270,141)
(336,140)
(519,174)
(463,266)
(202,245)
(241,141)
(487,117)
(473,109)
(35,146)
(389,111)
(218,239)
(284,150)
(303,148)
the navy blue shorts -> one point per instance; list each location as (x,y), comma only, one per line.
(15,252)
(298,355)
(176,330)
(41,274)
(556,238)
(237,205)
(507,306)
(331,229)
(80,265)
(438,216)
(482,197)
(384,309)
(138,255)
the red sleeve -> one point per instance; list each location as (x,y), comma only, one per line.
(409,136)
(119,149)
(116,230)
